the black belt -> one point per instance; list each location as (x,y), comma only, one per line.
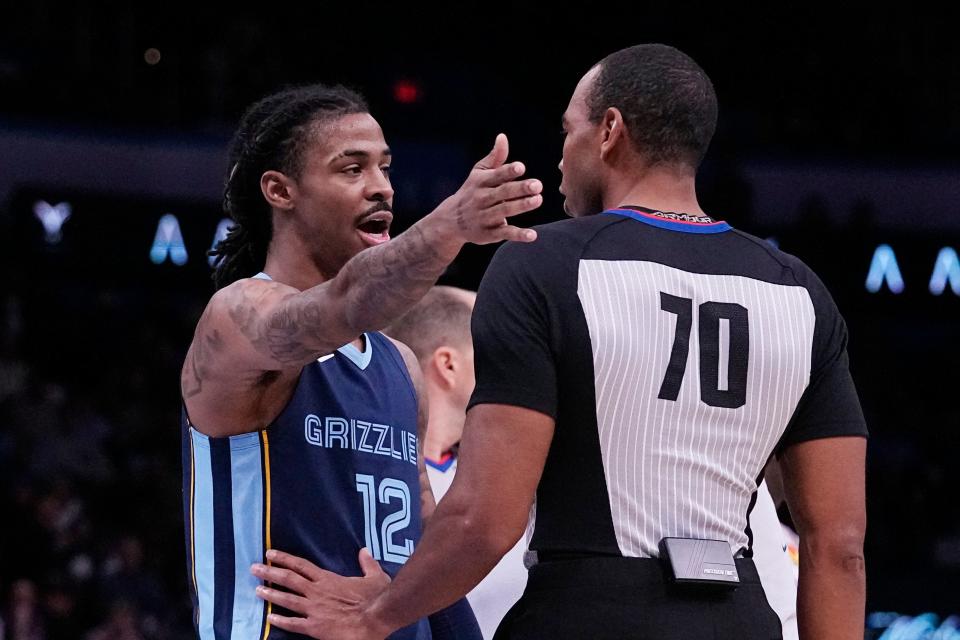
(559,569)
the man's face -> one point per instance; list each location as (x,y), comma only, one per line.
(581,183)
(344,200)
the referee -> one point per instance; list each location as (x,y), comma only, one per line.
(636,368)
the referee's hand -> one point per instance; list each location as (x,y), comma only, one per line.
(331,605)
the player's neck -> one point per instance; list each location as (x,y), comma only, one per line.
(443,431)
(293,266)
(663,189)
(290,262)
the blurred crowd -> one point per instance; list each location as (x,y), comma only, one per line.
(91,545)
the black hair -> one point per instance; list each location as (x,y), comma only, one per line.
(667,101)
(272,135)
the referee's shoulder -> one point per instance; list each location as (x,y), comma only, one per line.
(792,268)
(557,239)
(584,227)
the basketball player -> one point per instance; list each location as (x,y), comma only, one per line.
(437,329)
(301,423)
(636,368)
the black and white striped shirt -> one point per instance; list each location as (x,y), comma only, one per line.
(675,356)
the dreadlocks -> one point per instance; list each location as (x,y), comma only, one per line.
(273,134)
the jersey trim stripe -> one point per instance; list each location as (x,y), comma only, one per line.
(223,548)
(229,484)
(357,357)
(193,529)
(265,441)
(246,472)
(203,534)
(672,225)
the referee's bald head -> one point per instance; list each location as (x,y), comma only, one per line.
(441,318)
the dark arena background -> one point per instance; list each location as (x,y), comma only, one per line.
(839,140)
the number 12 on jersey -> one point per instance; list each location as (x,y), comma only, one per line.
(381,542)
(724,339)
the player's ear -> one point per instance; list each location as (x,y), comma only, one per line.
(278,190)
(443,366)
(613,132)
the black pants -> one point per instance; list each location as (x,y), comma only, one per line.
(629,598)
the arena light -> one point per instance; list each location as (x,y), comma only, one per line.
(168,242)
(407,92)
(946,269)
(52,217)
(884,268)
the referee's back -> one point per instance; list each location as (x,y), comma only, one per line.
(675,354)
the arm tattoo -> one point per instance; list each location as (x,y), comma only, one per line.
(283,335)
(198,365)
(378,284)
(393,279)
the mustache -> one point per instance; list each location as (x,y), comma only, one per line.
(383,205)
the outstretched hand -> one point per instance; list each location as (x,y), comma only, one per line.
(330,606)
(490,195)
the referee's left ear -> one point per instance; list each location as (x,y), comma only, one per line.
(613,133)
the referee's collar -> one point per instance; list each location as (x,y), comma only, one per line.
(683,222)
